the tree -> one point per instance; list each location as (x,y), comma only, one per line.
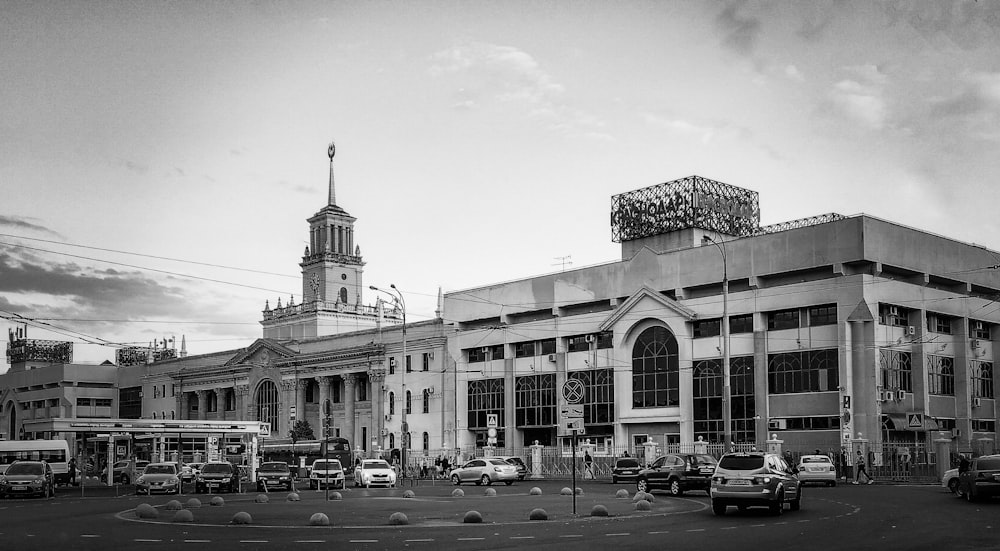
(301,430)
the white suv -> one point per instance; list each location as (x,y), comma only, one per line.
(755,480)
(327,472)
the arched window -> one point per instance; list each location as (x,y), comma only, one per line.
(392,404)
(343,295)
(267,403)
(427,441)
(427,401)
(392,440)
(154,415)
(163,415)
(172,414)
(655,369)
(409,403)
(230,400)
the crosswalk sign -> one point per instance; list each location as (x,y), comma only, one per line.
(915,420)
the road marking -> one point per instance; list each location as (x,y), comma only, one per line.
(695,530)
(470,539)
(806,520)
(571,536)
(757,525)
(619,534)
(663,532)
(256,541)
(147,541)
(310,541)
(522,537)
(90,535)
(423,540)
(362,541)
(728,528)
(197,541)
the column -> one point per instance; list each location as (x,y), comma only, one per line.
(202,404)
(220,403)
(324,396)
(350,380)
(377,376)
(243,407)
(300,399)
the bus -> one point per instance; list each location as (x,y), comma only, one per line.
(54,452)
(311,450)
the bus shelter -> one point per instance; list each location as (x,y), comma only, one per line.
(122,432)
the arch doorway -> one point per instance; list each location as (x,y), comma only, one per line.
(268,403)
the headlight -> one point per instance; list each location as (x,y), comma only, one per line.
(140,480)
(37,482)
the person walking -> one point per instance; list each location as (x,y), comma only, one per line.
(588,463)
(72,471)
(859,468)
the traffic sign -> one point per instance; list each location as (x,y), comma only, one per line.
(915,420)
(265,430)
(572,391)
(492,420)
(571,410)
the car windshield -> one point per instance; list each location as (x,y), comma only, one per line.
(627,463)
(324,465)
(991,464)
(499,462)
(516,461)
(741,462)
(217,468)
(374,465)
(815,459)
(161,469)
(275,467)
(25,468)
(703,460)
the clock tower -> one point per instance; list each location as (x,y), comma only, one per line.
(332,270)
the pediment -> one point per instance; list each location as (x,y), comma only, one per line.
(639,300)
(261,352)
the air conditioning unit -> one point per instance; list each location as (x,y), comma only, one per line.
(392,362)
(883,396)
(485,349)
(385,432)
(900,395)
(955,433)
(976,402)
(388,416)
(911,330)
(777,424)
(552,357)
(590,338)
(430,390)
(975,343)
(430,355)
(893,311)
(979,326)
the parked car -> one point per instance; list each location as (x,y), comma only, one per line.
(518,463)
(981,479)
(677,473)
(485,471)
(625,468)
(218,476)
(374,472)
(159,477)
(274,474)
(950,480)
(28,478)
(123,472)
(817,468)
(327,472)
(755,480)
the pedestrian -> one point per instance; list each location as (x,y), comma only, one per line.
(859,468)
(72,471)
(588,462)
(626,454)
(445,466)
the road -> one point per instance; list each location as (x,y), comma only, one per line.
(844,517)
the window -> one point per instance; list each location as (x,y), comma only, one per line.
(783,319)
(343,295)
(409,402)
(230,400)
(707,328)
(940,375)
(156,391)
(979,330)
(939,323)
(496,352)
(129,402)
(268,402)
(392,403)
(477,355)
(605,340)
(896,371)
(524,349)
(392,365)
(893,315)
(707,400)
(822,315)
(409,367)
(741,324)
(831,422)
(427,401)
(982,379)
(984,425)
(598,395)
(427,442)
(361,387)
(577,344)
(805,371)
(213,402)
(655,369)
(486,396)
(426,361)
(548,346)
(535,401)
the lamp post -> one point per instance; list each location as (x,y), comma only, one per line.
(396,294)
(727,414)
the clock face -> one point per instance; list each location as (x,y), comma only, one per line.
(343,276)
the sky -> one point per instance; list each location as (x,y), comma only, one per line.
(158,160)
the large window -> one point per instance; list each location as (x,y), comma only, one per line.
(477,355)
(267,403)
(804,371)
(891,315)
(130,402)
(940,375)
(707,400)
(823,315)
(655,369)
(485,397)
(896,370)
(939,323)
(535,401)
(599,395)
(742,391)
(783,319)
(742,323)
(427,402)
(982,379)
(979,329)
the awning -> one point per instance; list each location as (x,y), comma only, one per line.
(906,421)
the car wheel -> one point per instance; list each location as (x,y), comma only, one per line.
(485,480)
(796,503)
(675,488)
(641,485)
(719,508)
(741,508)
(831,483)
(455,480)
(509,482)
(953,485)
(778,507)
(614,479)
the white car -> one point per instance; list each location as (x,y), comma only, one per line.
(950,480)
(374,472)
(817,468)
(327,472)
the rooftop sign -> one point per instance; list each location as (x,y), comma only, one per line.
(692,202)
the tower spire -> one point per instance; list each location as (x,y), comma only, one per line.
(332,200)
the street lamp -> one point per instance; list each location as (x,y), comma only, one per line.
(396,294)
(727,414)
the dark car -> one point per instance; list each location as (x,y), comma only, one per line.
(274,474)
(218,476)
(981,479)
(518,463)
(626,468)
(677,473)
(28,478)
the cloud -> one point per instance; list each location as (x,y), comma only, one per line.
(22,223)
(296,188)
(793,73)
(739,32)
(862,96)
(705,133)
(975,102)
(133,166)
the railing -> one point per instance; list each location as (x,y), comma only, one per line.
(335,306)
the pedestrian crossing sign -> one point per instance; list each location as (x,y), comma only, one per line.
(915,420)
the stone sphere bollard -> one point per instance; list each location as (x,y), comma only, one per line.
(319,519)
(566,492)
(536,491)
(642,505)
(579,491)
(242,518)
(622,494)
(398,519)
(193,503)
(145,510)
(490,492)
(599,511)
(183,516)
(292,497)
(538,514)
(408,494)
(473,517)
(261,498)
(336,496)
(648,497)
(217,501)
(458,492)
(173,505)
